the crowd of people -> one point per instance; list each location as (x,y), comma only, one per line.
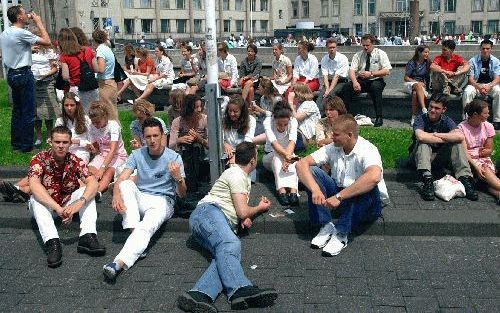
(79,85)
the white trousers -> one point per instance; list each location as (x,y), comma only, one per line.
(272,162)
(45,217)
(154,211)
(470,93)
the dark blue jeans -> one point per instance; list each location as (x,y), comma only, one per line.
(22,83)
(354,211)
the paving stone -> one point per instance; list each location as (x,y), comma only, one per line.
(486,305)
(389,309)
(416,288)
(352,286)
(382,296)
(420,304)
(354,304)
(451,298)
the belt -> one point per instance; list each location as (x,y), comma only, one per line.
(24,68)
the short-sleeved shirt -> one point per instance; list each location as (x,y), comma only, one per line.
(60,180)
(346,169)
(418,72)
(165,67)
(136,129)
(233,138)
(308,125)
(444,125)
(229,66)
(272,133)
(153,176)
(475,137)
(107,134)
(307,68)
(378,60)
(232,181)
(323,129)
(103,51)
(16,47)
(143,65)
(280,67)
(250,68)
(73,62)
(449,65)
(477,67)
(187,65)
(336,66)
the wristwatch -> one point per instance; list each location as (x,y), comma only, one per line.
(84,200)
(339,197)
(179,180)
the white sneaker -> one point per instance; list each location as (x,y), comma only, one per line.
(333,247)
(321,239)
(412,120)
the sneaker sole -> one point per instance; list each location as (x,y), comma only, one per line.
(109,275)
(188,304)
(55,264)
(321,246)
(95,252)
(328,255)
(260,300)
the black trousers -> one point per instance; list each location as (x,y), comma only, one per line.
(373,87)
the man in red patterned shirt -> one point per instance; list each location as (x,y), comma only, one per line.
(448,70)
(54,179)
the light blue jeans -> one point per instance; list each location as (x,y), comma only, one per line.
(210,227)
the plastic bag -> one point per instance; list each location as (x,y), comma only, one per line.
(363,120)
(448,188)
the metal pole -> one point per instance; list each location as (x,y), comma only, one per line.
(211,94)
(251,20)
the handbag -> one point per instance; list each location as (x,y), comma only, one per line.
(61,84)
(120,74)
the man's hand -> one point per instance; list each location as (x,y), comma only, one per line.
(356,86)
(70,210)
(284,166)
(36,18)
(134,144)
(60,211)
(246,223)
(174,169)
(117,203)
(317,197)
(365,74)
(100,173)
(228,149)
(331,202)
(92,149)
(264,204)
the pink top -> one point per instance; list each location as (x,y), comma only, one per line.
(104,136)
(475,137)
(179,129)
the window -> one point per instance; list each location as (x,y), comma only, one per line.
(449,27)
(401,5)
(239,26)
(128,4)
(67,22)
(180,25)
(358,7)
(104,3)
(335,7)
(280,14)
(372,28)
(225,5)
(434,5)
(263,26)
(238,5)
(450,5)
(147,25)
(477,27)
(165,26)
(253,5)
(358,29)
(324,8)
(95,22)
(197,26)
(477,5)
(95,3)
(180,4)
(399,28)
(164,4)
(434,28)
(295,9)
(494,5)
(388,28)
(371,7)
(227,26)
(197,5)
(145,3)
(263,5)
(492,26)
(254,26)
(129,25)
(305,8)
(336,27)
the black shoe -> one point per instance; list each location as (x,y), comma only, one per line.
(378,122)
(293,199)
(253,297)
(428,188)
(195,301)
(89,244)
(8,190)
(470,192)
(54,252)
(496,125)
(283,199)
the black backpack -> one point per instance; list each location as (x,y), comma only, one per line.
(87,77)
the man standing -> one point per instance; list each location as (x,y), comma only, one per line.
(213,224)
(16,53)
(484,79)
(448,70)
(368,67)
(334,69)
(160,176)
(356,188)
(437,139)
(54,179)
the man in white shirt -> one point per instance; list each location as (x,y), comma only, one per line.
(228,67)
(368,67)
(169,42)
(356,189)
(334,70)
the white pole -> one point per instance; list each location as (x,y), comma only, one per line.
(211,42)
(251,20)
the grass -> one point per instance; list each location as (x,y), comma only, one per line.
(392,143)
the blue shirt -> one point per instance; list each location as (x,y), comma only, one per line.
(418,72)
(103,51)
(16,47)
(476,64)
(444,125)
(153,176)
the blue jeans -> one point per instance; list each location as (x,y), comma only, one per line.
(211,229)
(22,83)
(364,208)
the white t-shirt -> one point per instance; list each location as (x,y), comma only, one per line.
(81,149)
(347,168)
(272,133)
(229,66)
(308,68)
(308,125)
(232,137)
(339,65)
(165,67)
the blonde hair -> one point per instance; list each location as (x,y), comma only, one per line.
(144,106)
(98,110)
(303,93)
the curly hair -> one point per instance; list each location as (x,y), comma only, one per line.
(303,93)
(242,124)
(79,118)
(98,110)
(100,36)
(144,106)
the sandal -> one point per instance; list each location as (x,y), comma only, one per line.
(7,190)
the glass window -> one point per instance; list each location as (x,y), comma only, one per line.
(434,5)
(492,26)
(450,5)
(95,3)
(494,5)
(227,26)
(388,29)
(305,8)
(129,25)
(164,4)
(295,9)
(401,5)
(449,27)
(336,27)
(180,4)
(372,28)
(180,25)
(434,28)
(477,27)
(225,5)
(147,25)
(371,7)
(104,3)
(263,5)
(238,5)
(358,7)
(145,3)
(358,29)
(128,4)
(197,26)
(324,8)
(197,5)
(399,28)
(239,26)
(254,26)
(263,25)
(95,22)
(477,5)
(335,7)
(253,5)
(165,26)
